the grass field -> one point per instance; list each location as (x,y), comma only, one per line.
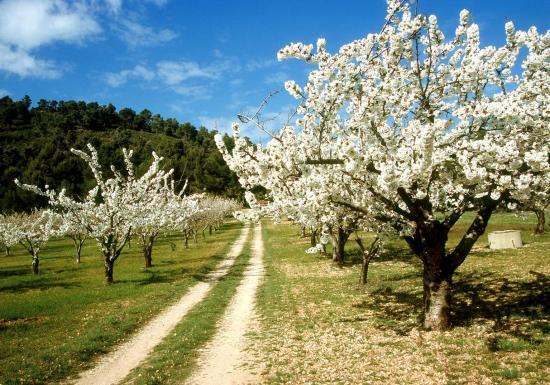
(53,325)
(321,327)
(318,325)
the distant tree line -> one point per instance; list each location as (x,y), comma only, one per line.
(35,143)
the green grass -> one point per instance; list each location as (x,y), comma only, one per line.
(54,324)
(175,358)
(320,326)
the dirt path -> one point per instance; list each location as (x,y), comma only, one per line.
(113,367)
(224,360)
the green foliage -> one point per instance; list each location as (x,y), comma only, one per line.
(35,147)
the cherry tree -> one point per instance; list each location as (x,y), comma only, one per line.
(33,231)
(164,210)
(76,231)
(298,196)
(415,130)
(109,210)
(210,214)
(9,236)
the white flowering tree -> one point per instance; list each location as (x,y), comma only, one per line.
(109,210)
(33,231)
(9,236)
(302,197)
(537,202)
(210,214)
(416,129)
(75,230)
(165,210)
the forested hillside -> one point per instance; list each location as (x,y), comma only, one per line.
(35,145)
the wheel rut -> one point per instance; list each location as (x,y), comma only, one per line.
(225,360)
(115,366)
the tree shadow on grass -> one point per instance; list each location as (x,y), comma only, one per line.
(10,272)
(391,253)
(517,308)
(37,284)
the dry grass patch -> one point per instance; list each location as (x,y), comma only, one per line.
(320,327)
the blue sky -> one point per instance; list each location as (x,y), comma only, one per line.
(198,61)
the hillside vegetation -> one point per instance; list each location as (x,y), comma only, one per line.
(35,145)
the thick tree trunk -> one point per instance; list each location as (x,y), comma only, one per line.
(7,251)
(541,221)
(437,303)
(209,230)
(109,269)
(35,263)
(437,276)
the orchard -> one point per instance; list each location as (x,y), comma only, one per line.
(353,242)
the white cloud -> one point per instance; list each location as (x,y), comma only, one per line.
(158,3)
(29,24)
(3,93)
(114,5)
(20,62)
(26,25)
(199,92)
(277,78)
(137,35)
(115,79)
(236,82)
(187,78)
(253,65)
(173,73)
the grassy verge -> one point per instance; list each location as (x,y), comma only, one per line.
(320,326)
(174,359)
(54,324)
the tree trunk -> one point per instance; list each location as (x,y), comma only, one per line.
(367,257)
(7,251)
(35,263)
(302,232)
(77,249)
(338,242)
(209,230)
(186,235)
(313,238)
(109,268)
(437,276)
(541,221)
(437,303)
(364,270)
(148,254)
